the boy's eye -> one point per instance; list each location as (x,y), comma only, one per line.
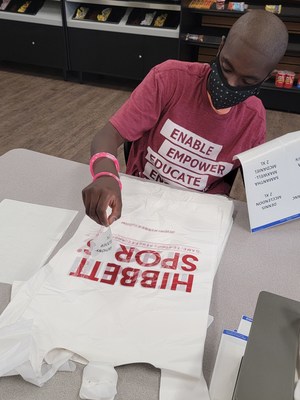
(226,69)
(248,83)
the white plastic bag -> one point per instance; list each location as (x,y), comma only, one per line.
(146,299)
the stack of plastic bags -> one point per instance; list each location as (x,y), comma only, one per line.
(139,292)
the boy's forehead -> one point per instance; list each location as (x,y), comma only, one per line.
(245,57)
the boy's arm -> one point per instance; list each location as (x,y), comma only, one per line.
(104,192)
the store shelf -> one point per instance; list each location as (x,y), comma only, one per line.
(293,48)
(121,27)
(270,85)
(280,99)
(287,13)
(49,14)
(209,41)
(290,12)
(131,49)
(132,4)
(212,12)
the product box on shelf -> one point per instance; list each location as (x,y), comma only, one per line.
(153,18)
(99,13)
(30,7)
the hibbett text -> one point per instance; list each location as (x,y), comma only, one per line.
(130,267)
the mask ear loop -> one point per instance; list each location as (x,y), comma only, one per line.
(221,45)
(223,39)
(269,75)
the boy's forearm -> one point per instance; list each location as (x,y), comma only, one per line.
(107,140)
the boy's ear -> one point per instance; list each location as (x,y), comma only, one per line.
(221,45)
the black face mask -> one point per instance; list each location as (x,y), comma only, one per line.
(223,95)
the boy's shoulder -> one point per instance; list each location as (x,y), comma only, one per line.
(171,67)
(254,105)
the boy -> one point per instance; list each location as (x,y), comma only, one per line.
(187,120)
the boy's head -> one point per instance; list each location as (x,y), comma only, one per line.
(255,44)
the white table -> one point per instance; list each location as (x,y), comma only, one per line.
(268,260)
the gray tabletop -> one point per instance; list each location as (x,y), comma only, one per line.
(252,262)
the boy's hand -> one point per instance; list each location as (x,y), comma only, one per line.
(98,196)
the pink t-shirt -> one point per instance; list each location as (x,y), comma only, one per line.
(178,138)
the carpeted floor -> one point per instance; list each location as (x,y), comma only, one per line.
(42,112)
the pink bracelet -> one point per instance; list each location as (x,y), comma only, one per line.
(108,174)
(103,155)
